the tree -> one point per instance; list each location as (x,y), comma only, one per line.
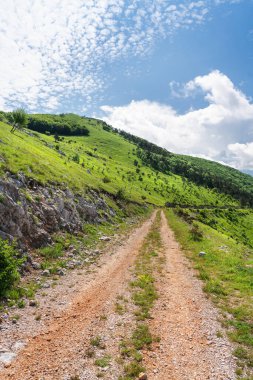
(20,119)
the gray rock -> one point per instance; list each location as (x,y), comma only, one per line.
(31,222)
(36,265)
(46,285)
(61,272)
(46,273)
(7,357)
(202,253)
(105,238)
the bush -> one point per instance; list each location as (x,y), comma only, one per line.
(106,180)
(121,194)
(8,267)
(196,233)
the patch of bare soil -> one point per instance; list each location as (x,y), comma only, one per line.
(57,350)
(191,345)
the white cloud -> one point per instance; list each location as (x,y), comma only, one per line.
(222,131)
(59,48)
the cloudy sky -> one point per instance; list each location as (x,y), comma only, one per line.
(178,73)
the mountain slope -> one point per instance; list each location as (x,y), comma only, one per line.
(103,160)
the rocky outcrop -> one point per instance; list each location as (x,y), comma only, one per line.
(30,213)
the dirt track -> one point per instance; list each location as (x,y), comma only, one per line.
(183,317)
(187,323)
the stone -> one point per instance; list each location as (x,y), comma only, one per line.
(46,273)
(7,357)
(61,272)
(142,376)
(105,238)
(46,285)
(32,220)
(202,253)
(32,303)
(36,265)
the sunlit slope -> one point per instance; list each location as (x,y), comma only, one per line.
(104,160)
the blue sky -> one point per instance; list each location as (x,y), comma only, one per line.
(179,73)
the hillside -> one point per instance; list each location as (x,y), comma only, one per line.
(106,161)
(69,184)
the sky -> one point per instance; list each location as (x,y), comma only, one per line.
(178,73)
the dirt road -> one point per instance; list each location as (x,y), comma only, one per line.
(183,317)
(187,323)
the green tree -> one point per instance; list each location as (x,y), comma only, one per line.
(20,119)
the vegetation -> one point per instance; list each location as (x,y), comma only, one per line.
(64,124)
(83,162)
(143,296)
(18,119)
(199,171)
(226,269)
(8,267)
(103,362)
(83,154)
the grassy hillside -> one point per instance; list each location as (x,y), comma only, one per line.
(199,171)
(103,160)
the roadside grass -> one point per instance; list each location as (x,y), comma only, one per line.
(227,273)
(143,297)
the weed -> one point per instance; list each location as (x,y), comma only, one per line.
(90,353)
(53,252)
(96,342)
(103,362)
(133,369)
(141,336)
(120,309)
(240,353)
(21,304)
(16,317)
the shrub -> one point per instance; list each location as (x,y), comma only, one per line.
(76,158)
(8,267)
(196,233)
(121,194)
(106,180)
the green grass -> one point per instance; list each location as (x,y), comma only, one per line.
(143,296)
(103,362)
(106,162)
(96,341)
(227,271)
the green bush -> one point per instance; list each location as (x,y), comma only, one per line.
(121,194)
(196,233)
(8,267)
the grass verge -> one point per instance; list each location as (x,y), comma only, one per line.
(144,295)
